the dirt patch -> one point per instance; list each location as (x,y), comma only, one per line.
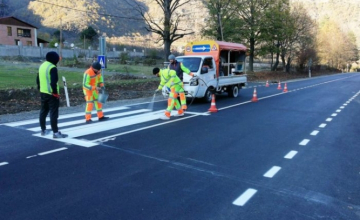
(21,100)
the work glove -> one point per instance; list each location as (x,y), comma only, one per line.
(56,96)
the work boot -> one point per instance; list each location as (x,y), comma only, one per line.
(88,121)
(45,132)
(164,117)
(103,118)
(59,135)
(180,113)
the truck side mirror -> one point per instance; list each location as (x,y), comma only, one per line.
(204,70)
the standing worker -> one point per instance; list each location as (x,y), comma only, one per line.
(180,69)
(169,79)
(92,83)
(47,82)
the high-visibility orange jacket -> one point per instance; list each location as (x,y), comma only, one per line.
(91,81)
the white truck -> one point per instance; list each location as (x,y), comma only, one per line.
(218,66)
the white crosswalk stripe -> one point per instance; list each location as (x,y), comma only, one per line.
(77,130)
(82,121)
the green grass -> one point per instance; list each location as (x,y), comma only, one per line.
(23,75)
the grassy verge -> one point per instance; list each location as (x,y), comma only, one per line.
(23,75)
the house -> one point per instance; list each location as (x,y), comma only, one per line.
(14,30)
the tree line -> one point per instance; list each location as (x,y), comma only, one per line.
(272,28)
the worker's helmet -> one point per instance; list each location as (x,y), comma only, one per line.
(156,70)
(171,57)
(96,66)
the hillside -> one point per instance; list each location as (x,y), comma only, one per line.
(48,15)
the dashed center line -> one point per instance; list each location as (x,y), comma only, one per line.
(51,151)
(271,173)
(322,125)
(304,142)
(291,154)
(329,119)
(333,115)
(243,198)
(314,133)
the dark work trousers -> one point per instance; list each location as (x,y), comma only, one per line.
(50,104)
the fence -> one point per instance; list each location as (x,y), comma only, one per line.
(40,52)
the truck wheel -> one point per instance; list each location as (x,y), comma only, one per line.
(208,95)
(233,91)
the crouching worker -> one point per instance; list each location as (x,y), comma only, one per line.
(169,79)
(92,83)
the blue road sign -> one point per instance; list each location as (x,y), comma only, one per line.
(102,61)
(201,48)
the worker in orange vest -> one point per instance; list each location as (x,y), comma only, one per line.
(92,83)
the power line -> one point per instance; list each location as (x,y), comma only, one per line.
(74,9)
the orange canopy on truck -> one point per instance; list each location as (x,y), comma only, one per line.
(210,47)
(213,48)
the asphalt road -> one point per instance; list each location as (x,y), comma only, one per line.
(291,155)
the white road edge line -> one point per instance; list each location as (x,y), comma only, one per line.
(243,198)
(51,151)
(291,154)
(271,173)
(304,142)
(3,163)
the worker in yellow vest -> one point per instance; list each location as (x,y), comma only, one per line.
(169,79)
(180,69)
(92,83)
(47,81)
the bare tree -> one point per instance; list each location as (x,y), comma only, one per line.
(167,27)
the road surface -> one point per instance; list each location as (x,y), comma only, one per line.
(291,155)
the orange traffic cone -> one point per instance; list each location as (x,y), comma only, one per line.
(254,99)
(267,83)
(285,88)
(279,85)
(213,106)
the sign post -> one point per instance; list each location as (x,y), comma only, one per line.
(102,56)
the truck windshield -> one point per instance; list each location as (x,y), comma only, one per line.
(191,63)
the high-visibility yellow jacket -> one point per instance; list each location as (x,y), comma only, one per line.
(45,78)
(91,81)
(169,78)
